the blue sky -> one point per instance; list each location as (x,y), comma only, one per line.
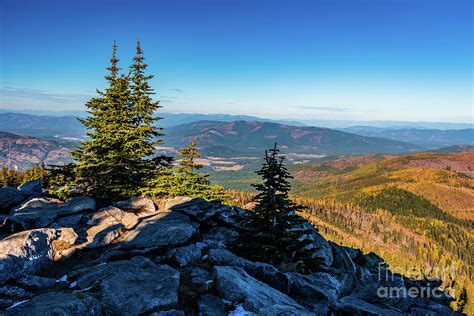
(331,59)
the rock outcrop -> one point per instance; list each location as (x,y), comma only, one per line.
(138,258)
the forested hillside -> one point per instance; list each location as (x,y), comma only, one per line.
(417,211)
(24,152)
(250,138)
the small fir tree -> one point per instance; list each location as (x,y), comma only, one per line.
(273,232)
(184,179)
(188,180)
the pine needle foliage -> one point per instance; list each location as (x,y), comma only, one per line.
(273,232)
(117,159)
(13,177)
(185,178)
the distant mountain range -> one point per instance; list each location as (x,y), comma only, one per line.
(68,126)
(228,136)
(455,149)
(42,126)
(429,138)
(23,152)
(171,119)
(250,138)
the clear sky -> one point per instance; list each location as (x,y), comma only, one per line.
(320,59)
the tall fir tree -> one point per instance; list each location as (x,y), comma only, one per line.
(145,135)
(117,160)
(273,232)
(103,164)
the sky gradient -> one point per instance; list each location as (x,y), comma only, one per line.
(331,59)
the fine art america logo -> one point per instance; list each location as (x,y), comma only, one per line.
(400,283)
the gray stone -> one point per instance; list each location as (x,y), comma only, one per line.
(10,197)
(357,307)
(68,221)
(371,261)
(319,286)
(15,292)
(57,304)
(198,209)
(133,287)
(199,277)
(111,215)
(77,205)
(108,223)
(161,230)
(424,304)
(171,312)
(34,282)
(7,302)
(31,251)
(224,257)
(380,290)
(348,281)
(137,205)
(231,216)
(422,312)
(166,205)
(33,187)
(102,236)
(41,212)
(342,260)
(221,235)
(235,285)
(9,226)
(321,247)
(143,262)
(211,305)
(261,271)
(286,311)
(113,255)
(187,254)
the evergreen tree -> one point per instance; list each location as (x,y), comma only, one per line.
(184,179)
(188,180)
(117,159)
(103,163)
(144,135)
(273,231)
(13,177)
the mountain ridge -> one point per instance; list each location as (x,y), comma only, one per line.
(256,136)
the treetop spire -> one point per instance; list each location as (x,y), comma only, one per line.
(113,64)
(139,47)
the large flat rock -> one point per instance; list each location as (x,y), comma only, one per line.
(30,251)
(10,197)
(58,303)
(108,224)
(41,212)
(161,230)
(235,285)
(133,287)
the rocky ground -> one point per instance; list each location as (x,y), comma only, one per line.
(138,258)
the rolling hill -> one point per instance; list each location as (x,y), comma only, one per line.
(23,152)
(445,180)
(42,126)
(48,124)
(428,138)
(455,149)
(251,138)
(416,210)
